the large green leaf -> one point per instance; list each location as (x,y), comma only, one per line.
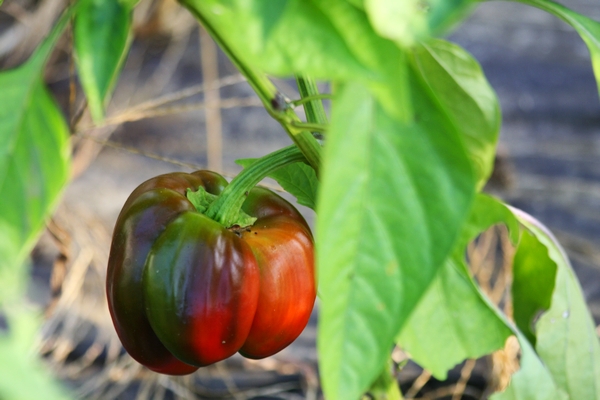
(392,199)
(101,32)
(588,29)
(298,179)
(280,37)
(34,154)
(453,321)
(329,40)
(463,91)
(566,335)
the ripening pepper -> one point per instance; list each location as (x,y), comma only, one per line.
(184,291)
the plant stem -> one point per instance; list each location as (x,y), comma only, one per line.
(311,100)
(323,96)
(309,126)
(267,92)
(225,208)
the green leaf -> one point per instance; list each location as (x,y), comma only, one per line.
(488,211)
(534,274)
(34,154)
(400,21)
(451,323)
(453,320)
(566,335)
(588,29)
(22,375)
(281,38)
(442,14)
(332,40)
(298,179)
(460,86)
(101,34)
(393,197)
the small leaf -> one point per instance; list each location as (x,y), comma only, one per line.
(442,14)
(566,334)
(392,199)
(101,33)
(534,274)
(298,179)
(201,200)
(400,21)
(34,153)
(588,29)
(460,85)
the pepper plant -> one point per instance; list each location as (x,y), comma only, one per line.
(395,174)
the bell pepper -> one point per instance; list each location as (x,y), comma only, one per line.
(184,291)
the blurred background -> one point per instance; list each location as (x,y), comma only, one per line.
(179,105)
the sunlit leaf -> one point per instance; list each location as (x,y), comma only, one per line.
(460,85)
(34,154)
(101,33)
(400,21)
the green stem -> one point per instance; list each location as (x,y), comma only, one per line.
(309,126)
(323,96)
(313,106)
(226,207)
(267,93)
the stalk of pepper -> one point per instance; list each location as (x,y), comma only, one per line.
(185,291)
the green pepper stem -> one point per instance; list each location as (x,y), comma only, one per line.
(226,207)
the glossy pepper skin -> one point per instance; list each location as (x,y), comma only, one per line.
(184,291)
